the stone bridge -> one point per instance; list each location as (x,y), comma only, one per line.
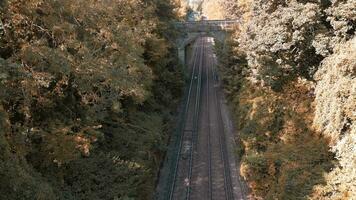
(191,30)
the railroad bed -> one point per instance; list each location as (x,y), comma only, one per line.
(202,168)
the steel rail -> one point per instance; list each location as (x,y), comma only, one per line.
(223,151)
(242,186)
(195,121)
(209,133)
(196,72)
(186,108)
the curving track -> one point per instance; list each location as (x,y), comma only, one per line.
(202,170)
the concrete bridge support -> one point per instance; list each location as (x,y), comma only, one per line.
(191,37)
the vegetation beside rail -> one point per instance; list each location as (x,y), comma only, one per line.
(87,89)
(289,73)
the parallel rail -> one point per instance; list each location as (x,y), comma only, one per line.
(210,185)
(182,134)
(196,122)
(223,150)
(244,190)
(193,101)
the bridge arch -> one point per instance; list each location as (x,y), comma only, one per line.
(191,37)
(217,29)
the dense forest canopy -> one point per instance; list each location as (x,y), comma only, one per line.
(86,92)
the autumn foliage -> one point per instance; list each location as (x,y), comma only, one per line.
(289,73)
(85,86)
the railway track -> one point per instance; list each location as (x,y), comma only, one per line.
(243,191)
(184,160)
(222,141)
(202,169)
(210,193)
